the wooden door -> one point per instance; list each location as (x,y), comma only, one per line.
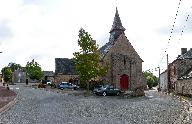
(124,81)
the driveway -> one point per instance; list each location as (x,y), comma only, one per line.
(36,106)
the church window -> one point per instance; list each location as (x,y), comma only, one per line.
(124,60)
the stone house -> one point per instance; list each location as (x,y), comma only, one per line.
(65,71)
(125,70)
(179,68)
(163,82)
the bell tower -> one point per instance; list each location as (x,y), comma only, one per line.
(117,28)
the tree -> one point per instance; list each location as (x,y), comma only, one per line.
(14,66)
(87,60)
(7,74)
(7,71)
(152,80)
(33,70)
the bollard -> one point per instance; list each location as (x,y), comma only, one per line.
(7,87)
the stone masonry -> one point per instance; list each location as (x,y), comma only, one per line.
(179,68)
(184,86)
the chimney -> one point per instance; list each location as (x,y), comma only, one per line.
(183,51)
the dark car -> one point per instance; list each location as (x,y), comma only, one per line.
(96,88)
(108,90)
(66,85)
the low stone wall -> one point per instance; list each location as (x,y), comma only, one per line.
(64,78)
(184,86)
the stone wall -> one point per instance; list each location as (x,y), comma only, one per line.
(184,86)
(64,78)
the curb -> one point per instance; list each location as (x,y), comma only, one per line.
(8,106)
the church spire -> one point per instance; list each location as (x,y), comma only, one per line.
(117,28)
(117,25)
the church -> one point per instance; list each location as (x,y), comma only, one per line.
(125,70)
(125,65)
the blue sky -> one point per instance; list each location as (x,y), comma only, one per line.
(46,29)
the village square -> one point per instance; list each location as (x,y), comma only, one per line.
(99,84)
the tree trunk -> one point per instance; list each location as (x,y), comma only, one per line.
(87,86)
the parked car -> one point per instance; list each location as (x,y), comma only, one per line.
(108,90)
(96,88)
(66,85)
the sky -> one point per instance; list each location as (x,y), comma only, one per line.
(47,29)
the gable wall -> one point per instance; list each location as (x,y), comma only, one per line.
(122,51)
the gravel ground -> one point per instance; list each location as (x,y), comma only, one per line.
(6,96)
(37,106)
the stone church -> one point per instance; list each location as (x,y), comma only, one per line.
(125,71)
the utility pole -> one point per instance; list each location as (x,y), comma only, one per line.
(159,78)
(168,73)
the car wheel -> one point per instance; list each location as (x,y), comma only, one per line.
(118,93)
(104,94)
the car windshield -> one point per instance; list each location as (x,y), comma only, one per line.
(105,86)
(99,86)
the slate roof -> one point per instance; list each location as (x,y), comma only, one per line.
(188,74)
(48,73)
(104,49)
(117,25)
(64,66)
(187,55)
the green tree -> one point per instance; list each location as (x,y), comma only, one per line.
(152,80)
(14,66)
(87,60)
(33,70)
(7,74)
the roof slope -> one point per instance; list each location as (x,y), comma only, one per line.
(187,55)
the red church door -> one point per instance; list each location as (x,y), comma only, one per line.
(124,82)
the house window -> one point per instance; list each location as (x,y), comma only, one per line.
(174,70)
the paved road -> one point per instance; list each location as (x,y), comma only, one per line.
(43,107)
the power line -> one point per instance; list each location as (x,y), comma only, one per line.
(171,32)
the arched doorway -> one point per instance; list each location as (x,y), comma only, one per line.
(124,81)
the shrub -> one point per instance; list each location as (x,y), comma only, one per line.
(41,85)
